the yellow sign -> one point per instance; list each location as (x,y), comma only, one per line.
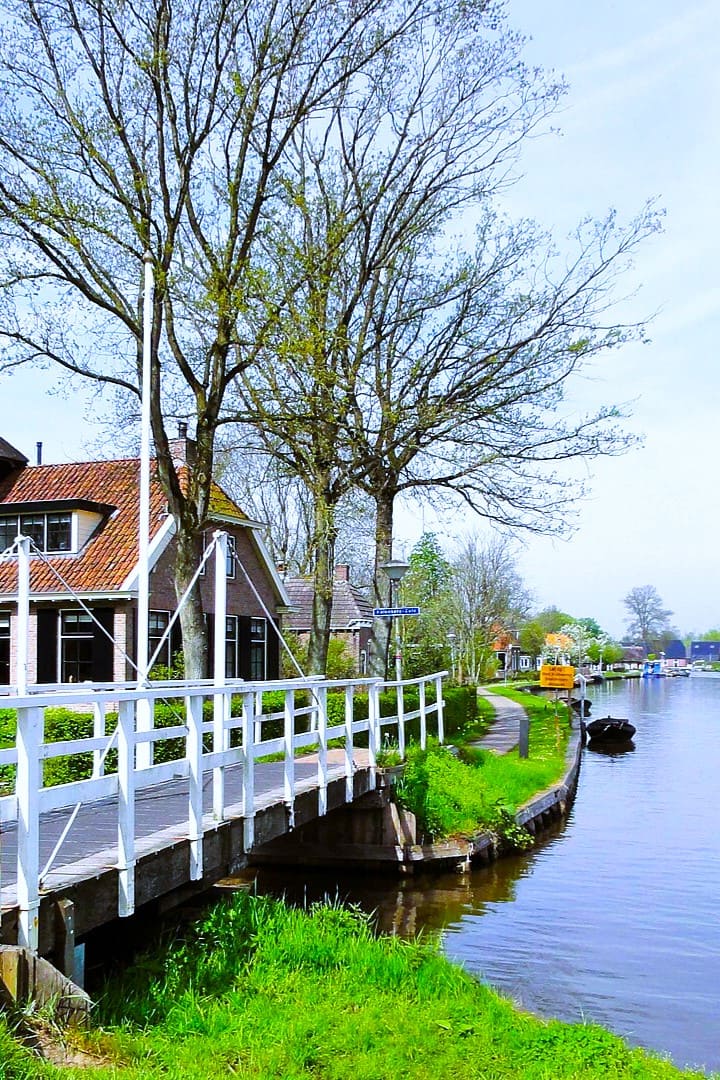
(557,677)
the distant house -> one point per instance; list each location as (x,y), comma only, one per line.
(675,654)
(352,615)
(632,656)
(83,521)
(705,652)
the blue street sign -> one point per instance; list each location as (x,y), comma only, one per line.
(392,612)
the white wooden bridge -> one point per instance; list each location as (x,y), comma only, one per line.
(136,829)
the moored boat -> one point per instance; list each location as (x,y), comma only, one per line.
(609,729)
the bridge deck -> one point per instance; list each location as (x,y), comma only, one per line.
(89,853)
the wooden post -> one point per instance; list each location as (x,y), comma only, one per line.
(349,758)
(401,719)
(126,808)
(248,775)
(322,751)
(28,783)
(289,762)
(439,703)
(65,937)
(423,717)
(373,726)
(220,701)
(194,713)
(524,736)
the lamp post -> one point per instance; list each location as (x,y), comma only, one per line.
(396,569)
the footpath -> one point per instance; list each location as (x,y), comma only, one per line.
(504,733)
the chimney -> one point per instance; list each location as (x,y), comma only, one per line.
(342,572)
(182,449)
(38,453)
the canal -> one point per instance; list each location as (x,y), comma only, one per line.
(613,918)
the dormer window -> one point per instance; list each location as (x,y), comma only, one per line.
(50,532)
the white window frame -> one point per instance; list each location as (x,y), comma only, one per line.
(254,642)
(62,638)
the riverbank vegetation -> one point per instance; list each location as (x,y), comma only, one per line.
(259,990)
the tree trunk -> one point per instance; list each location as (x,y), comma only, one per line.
(379,644)
(323,575)
(192,620)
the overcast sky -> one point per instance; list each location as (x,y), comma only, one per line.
(640,121)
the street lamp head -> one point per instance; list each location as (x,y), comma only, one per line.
(396,569)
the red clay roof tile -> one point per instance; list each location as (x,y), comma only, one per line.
(111,554)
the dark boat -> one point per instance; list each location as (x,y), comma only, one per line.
(580,704)
(609,729)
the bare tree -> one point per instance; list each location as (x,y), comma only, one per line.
(488,596)
(368,202)
(162,128)
(649,620)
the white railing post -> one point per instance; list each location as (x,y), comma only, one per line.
(126,808)
(248,774)
(258,708)
(373,726)
(401,720)
(98,733)
(220,701)
(23,615)
(321,693)
(349,761)
(423,717)
(145,716)
(194,714)
(27,787)
(439,703)
(289,761)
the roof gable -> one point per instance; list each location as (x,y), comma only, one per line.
(349,606)
(108,560)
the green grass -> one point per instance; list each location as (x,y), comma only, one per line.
(262,991)
(482,791)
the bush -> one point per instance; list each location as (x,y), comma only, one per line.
(451,797)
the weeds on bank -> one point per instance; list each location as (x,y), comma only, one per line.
(476,790)
(258,990)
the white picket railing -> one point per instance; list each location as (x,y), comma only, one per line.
(305,727)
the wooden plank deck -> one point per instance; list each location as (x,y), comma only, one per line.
(85,868)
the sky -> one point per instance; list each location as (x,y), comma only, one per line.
(639,121)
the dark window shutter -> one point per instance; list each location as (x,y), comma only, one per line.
(47,621)
(210,637)
(176,643)
(273,650)
(244,646)
(102,657)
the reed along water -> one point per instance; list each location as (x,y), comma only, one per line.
(615,916)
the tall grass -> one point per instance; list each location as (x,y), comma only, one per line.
(261,991)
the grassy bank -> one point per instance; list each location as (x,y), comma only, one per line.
(258,990)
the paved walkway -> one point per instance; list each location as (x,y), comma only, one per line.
(504,733)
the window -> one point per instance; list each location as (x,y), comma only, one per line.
(231,647)
(4,648)
(158,622)
(76,646)
(230,561)
(258,637)
(8,532)
(59,532)
(33,525)
(49,532)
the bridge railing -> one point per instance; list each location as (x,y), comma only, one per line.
(218,728)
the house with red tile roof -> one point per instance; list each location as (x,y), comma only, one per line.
(351,619)
(82,520)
